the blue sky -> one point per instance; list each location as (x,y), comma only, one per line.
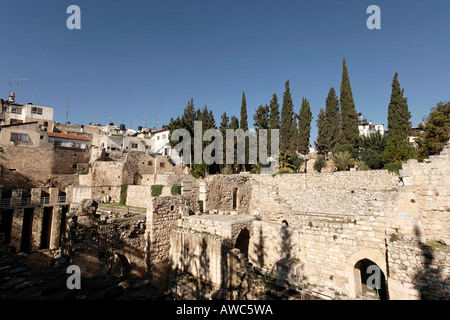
(158,54)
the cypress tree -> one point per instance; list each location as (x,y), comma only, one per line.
(333,119)
(304,127)
(349,124)
(398,113)
(234,124)
(224,125)
(288,125)
(243,123)
(274,113)
(323,142)
(261,117)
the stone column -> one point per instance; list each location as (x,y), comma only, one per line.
(16,196)
(36,195)
(56,227)
(16,230)
(54,194)
(36,232)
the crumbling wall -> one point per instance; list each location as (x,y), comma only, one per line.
(161,218)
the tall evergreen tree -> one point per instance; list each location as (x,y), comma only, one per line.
(288,125)
(234,124)
(261,117)
(224,123)
(333,119)
(189,116)
(244,123)
(323,141)
(349,122)
(304,127)
(398,113)
(274,113)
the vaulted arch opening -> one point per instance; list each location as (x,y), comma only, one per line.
(243,241)
(370,281)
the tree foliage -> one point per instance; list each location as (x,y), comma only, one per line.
(343,160)
(304,127)
(436,129)
(398,150)
(288,125)
(349,117)
(398,113)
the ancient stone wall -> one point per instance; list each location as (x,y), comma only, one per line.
(217,193)
(28,167)
(161,218)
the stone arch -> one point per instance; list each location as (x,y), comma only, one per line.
(243,241)
(374,255)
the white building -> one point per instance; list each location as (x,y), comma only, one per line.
(12,112)
(366,127)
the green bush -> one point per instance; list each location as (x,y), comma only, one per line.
(156,190)
(175,190)
(123,194)
(393,167)
(319,164)
(199,170)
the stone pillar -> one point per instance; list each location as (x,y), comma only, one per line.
(16,230)
(36,232)
(56,227)
(16,196)
(54,194)
(36,195)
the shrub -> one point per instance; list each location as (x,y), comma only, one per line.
(156,190)
(319,164)
(398,150)
(123,194)
(343,160)
(176,189)
(393,167)
(199,170)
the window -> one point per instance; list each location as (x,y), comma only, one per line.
(36,110)
(150,162)
(23,137)
(157,138)
(163,136)
(134,146)
(16,110)
(162,164)
(148,147)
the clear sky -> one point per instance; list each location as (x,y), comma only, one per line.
(131,55)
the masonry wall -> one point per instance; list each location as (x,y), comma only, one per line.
(27,167)
(161,219)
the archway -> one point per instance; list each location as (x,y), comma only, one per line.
(370,280)
(243,241)
(354,269)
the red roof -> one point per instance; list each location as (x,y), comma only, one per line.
(159,131)
(67,136)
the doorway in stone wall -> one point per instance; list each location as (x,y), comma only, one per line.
(242,241)
(370,280)
(46,227)
(27,229)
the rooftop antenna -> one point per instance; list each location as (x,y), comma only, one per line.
(17,80)
(156,121)
(68,108)
(145,116)
(131,122)
(109,119)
